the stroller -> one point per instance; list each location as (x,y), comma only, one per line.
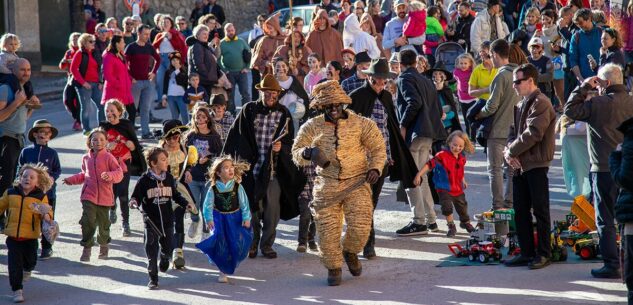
(447,53)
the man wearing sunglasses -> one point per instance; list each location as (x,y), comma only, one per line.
(603,114)
(530,151)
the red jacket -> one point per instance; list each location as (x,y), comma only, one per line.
(118,83)
(92,71)
(64,64)
(95,189)
(448,172)
(177,41)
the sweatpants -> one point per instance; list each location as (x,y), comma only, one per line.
(22,257)
(155,242)
(94,216)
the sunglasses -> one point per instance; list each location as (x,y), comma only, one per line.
(91,41)
(519,81)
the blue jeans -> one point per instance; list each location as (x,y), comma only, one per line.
(238,79)
(160,73)
(199,191)
(87,108)
(177,106)
(143,92)
(605,193)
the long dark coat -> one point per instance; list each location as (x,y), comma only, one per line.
(241,144)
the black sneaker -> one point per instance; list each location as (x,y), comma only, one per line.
(606,273)
(369,253)
(433,227)
(539,262)
(46,254)
(412,229)
(313,246)
(518,260)
(125,228)
(163,266)
(152,285)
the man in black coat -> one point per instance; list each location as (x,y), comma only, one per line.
(461,32)
(262,135)
(374,102)
(420,126)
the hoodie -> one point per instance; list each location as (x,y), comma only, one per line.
(327,43)
(354,37)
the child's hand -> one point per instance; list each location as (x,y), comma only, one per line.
(417,180)
(210,226)
(105,177)
(246,224)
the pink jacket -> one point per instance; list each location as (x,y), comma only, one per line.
(415,25)
(95,189)
(118,83)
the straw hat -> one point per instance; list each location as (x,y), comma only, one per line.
(269,83)
(327,93)
(37,125)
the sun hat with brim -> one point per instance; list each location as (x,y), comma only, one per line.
(269,83)
(328,93)
(439,67)
(379,68)
(172,127)
(37,125)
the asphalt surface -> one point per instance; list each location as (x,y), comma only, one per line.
(405,271)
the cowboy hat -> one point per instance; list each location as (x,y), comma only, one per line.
(440,67)
(268,83)
(37,125)
(328,93)
(379,68)
(171,127)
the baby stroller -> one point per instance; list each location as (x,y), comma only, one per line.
(447,53)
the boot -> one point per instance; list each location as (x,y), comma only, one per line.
(85,255)
(452,230)
(125,226)
(103,252)
(179,259)
(334,277)
(353,264)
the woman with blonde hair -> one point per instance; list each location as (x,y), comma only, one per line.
(87,80)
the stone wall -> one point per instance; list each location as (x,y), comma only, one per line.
(242,13)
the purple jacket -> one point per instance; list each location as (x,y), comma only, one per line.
(95,189)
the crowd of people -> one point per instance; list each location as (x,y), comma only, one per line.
(368,93)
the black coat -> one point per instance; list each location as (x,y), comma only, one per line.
(479,129)
(462,30)
(137,166)
(621,167)
(181,79)
(404,168)
(241,144)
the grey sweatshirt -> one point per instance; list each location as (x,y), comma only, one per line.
(501,103)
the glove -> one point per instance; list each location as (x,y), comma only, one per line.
(319,158)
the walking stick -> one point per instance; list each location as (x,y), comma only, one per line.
(147,220)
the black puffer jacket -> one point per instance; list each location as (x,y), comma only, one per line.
(621,165)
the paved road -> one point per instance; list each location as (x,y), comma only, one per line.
(404,273)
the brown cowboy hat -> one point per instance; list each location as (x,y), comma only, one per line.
(380,68)
(37,125)
(269,83)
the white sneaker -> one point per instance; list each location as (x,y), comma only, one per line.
(18,296)
(193,229)
(26,275)
(223,278)
(204,236)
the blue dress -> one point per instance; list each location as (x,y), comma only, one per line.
(228,245)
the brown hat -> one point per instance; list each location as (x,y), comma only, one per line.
(327,93)
(269,83)
(42,124)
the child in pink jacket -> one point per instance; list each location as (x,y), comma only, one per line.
(99,171)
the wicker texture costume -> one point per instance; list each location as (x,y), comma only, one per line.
(353,145)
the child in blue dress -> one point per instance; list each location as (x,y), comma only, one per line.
(228,216)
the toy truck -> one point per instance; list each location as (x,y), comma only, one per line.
(484,251)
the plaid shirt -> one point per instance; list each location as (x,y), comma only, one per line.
(223,125)
(379,115)
(310,172)
(352,83)
(265,127)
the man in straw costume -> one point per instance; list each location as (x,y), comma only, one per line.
(349,153)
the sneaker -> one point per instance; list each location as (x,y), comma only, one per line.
(270,253)
(353,264)
(103,252)
(163,265)
(77,126)
(125,227)
(18,296)
(223,278)
(313,246)
(302,248)
(606,273)
(452,230)
(113,216)
(518,260)
(193,229)
(433,227)
(46,254)
(179,259)
(252,252)
(85,255)
(539,262)
(26,276)
(412,229)
(152,285)
(334,277)
(467,226)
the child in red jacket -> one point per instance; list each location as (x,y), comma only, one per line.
(99,171)
(448,176)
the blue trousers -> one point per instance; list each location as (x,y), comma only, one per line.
(605,193)
(90,101)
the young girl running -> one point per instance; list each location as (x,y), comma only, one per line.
(449,183)
(228,215)
(99,171)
